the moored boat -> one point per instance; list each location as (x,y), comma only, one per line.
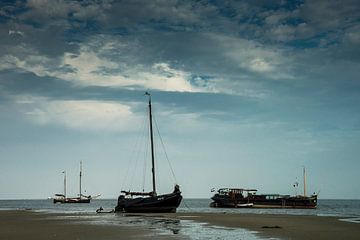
(149,202)
(239,197)
(61,198)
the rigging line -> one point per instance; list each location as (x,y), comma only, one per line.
(137,142)
(157,166)
(145,165)
(166,156)
(138,153)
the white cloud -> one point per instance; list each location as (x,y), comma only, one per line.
(92,66)
(260,65)
(79,115)
(16,32)
(162,76)
(95,65)
(86,69)
(36,64)
(90,69)
(273,63)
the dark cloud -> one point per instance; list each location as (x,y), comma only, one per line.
(232,47)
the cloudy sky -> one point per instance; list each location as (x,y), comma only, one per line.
(245,93)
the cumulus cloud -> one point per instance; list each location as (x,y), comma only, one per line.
(76,114)
(97,64)
(89,68)
(254,57)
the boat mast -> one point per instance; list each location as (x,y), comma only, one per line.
(152,146)
(80,177)
(64,172)
(304,174)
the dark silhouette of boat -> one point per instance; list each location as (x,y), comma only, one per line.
(238,197)
(149,202)
(61,198)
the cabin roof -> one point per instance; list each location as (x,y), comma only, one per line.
(236,189)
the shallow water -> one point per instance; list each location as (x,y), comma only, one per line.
(326,207)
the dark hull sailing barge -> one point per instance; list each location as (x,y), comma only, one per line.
(236,198)
(61,198)
(149,202)
(240,198)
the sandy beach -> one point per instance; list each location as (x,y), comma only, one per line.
(39,226)
(34,225)
(284,226)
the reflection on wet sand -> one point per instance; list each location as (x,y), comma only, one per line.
(171,225)
(185,228)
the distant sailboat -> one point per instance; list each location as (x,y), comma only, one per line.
(61,198)
(149,201)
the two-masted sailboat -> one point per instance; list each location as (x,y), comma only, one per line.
(61,198)
(149,202)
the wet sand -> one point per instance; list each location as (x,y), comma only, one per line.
(283,226)
(32,225)
(40,226)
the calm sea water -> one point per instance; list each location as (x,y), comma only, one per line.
(326,207)
(175,228)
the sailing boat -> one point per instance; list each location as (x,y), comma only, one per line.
(61,198)
(149,202)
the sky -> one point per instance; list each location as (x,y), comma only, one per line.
(245,94)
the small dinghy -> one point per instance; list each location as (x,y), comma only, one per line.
(101,210)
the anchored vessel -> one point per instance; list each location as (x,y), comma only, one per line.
(239,198)
(61,198)
(142,202)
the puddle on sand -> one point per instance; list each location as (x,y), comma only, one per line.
(189,229)
(170,227)
(352,220)
(196,231)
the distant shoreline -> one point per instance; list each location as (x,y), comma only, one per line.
(20,224)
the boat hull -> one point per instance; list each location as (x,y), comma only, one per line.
(261,201)
(153,204)
(72,200)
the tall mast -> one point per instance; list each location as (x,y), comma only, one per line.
(304,174)
(64,172)
(152,146)
(80,177)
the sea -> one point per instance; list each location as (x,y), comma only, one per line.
(346,210)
